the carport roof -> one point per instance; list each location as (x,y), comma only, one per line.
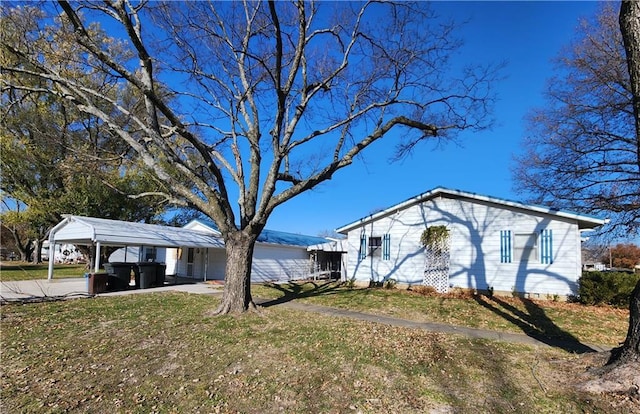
(90,230)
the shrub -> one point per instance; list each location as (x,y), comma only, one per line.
(350,283)
(375,284)
(390,284)
(490,291)
(611,288)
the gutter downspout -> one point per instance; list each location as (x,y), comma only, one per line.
(96,266)
(52,245)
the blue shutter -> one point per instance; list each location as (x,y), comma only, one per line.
(546,246)
(386,247)
(363,246)
(505,246)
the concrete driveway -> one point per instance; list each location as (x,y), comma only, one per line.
(78,287)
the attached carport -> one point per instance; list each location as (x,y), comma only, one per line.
(328,259)
(97,232)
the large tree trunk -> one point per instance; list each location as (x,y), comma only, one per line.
(23,248)
(630,350)
(37,252)
(237,282)
(629,21)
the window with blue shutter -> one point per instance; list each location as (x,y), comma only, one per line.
(375,246)
(386,247)
(546,246)
(505,246)
(363,247)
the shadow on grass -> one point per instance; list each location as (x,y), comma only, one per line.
(533,320)
(535,323)
(292,291)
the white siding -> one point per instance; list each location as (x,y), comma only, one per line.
(74,230)
(475,247)
(271,263)
(279,263)
(197,226)
(171,260)
(217,264)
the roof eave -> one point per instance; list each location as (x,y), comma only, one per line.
(585,222)
(591,223)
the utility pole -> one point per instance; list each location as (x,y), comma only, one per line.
(610,259)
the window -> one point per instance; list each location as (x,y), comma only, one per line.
(375,243)
(505,246)
(525,247)
(546,247)
(375,246)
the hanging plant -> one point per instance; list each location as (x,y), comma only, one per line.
(435,236)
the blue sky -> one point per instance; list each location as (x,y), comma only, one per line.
(527,36)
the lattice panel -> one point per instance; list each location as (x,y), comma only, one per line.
(436,269)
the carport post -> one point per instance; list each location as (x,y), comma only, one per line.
(52,246)
(96,266)
(52,255)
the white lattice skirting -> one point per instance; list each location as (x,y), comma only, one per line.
(436,269)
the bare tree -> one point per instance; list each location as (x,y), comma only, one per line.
(629,20)
(581,152)
(268,99)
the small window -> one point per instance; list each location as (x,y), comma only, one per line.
(375,244)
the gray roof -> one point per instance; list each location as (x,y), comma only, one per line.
(584,221)
(90,230)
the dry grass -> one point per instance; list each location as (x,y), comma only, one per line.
(158,353)
(557,320)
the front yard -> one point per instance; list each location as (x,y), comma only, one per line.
(158,352)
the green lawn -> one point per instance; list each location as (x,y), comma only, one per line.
(159,352)
(12,271)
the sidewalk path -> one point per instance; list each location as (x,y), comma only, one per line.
(42,289)
(77,287)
